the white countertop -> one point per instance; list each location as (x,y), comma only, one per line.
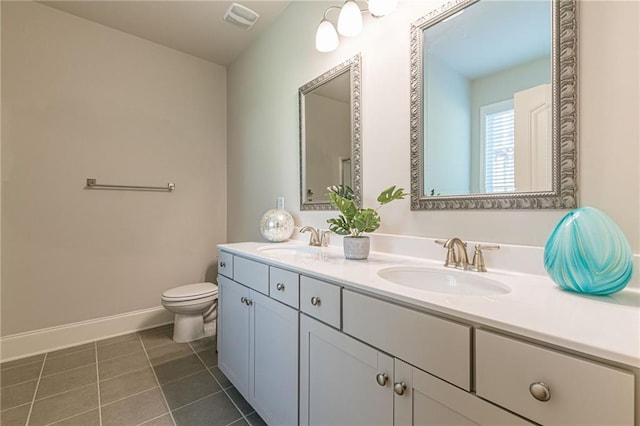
(607,327)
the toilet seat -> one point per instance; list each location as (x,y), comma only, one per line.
(190,292)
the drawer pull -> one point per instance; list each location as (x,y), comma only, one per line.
(223,265)
(315,301)
(540,391)
(243,300)
(399,388)
(280,286)
(381,378)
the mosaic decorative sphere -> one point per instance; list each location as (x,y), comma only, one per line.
(588,253)
(276,225)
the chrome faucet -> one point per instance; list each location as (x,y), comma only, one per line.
(460,259)
(455,259)
(318,238)
(478,259)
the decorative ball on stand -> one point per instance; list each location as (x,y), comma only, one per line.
(276,225)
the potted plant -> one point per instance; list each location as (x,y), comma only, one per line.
(353,222)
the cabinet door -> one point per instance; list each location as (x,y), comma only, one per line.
(427,400)
(338,383)
(273,371)
(233,332)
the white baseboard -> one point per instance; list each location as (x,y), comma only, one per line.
(48,339)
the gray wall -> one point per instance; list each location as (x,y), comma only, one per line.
(81,100)
(263,124)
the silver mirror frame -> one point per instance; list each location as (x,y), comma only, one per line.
(563,194)
(353,65)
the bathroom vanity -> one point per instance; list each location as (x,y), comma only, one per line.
(310,338)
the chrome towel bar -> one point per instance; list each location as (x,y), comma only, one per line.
(92,184)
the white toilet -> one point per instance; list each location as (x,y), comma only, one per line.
(195,306)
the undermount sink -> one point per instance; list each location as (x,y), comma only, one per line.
(461,283)
(289,249)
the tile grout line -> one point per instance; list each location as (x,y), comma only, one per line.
(129,396)
(67,370)
(236,405)
(198,400)
(223,389)
(95,346)
(35,392)
(157,381)
(69,417)
(150,420)
(125,373)
(63,392)
(21,365)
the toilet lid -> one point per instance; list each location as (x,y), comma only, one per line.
(191,291)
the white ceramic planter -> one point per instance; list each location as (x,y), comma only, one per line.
(356,248)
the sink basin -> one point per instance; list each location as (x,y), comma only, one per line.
(289,249)
(461,283)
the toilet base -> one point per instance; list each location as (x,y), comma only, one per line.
(209,328)
(187,328)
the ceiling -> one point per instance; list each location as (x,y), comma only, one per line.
(193,27)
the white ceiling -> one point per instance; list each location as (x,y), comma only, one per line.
(193,27)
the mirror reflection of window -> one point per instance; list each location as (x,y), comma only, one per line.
(474,61)
(497,145)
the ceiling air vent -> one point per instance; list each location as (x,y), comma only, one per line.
(241,16)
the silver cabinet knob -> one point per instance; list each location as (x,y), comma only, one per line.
(399,388)
(540,391)
(222,264)
(243,300)
(315,301)
(246,301)
(280,286)
(381,378)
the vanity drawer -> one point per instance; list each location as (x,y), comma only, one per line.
(225,264)
(436,345)
(580,392)
(283,286)
(320,300)
(253,274)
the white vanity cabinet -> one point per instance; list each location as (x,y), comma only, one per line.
(427,400)
(372,360)
(550,387)
(344,381)
(258,343)
(339,379)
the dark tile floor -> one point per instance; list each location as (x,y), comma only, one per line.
(142,378)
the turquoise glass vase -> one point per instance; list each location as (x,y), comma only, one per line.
(588,253)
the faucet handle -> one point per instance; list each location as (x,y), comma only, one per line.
(314,240)
(440,242)
(477,264)
(324,238)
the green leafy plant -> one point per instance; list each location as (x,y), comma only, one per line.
(355,221)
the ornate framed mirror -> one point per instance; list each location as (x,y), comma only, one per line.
(494,106)
(330,139)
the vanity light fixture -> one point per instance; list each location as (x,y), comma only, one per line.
(349,21)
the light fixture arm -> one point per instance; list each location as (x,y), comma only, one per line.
(326,35)
(324,16)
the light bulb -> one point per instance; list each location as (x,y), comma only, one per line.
(382,7)
(326,37)
(350,19)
